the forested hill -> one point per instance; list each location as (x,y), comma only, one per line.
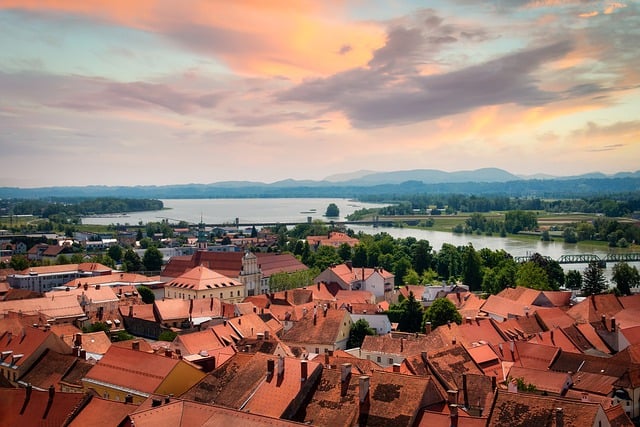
(558,187)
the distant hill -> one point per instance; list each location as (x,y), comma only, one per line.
(489,181)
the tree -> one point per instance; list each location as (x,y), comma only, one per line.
(19,262)
(573,279)
(358,331)
(131,261)
(344,250)
(400,270)
(167,335)
(123,336)
(531,275)
(332,210)
(625,277)
(115,252)
(147,295)
(152,259)
(441,312)
(593,282)
(254,232)
(411,317)
(472,270)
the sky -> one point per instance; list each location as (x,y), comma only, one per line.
(161,92)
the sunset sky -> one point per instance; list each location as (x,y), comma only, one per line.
(145,92)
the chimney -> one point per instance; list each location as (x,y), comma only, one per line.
(453,340)
(83,354)
(604,320)
(325,309)
(131,310)
(427,328)
(286,295)
(349,264)
(239,320)
(303,370)
(167,352)
(280,366)
(452,397)
(98,287)
(270,367)
(135,345)
(453,409)
(511,346)
(318,285)
(494,383)
(613,324)
(465,394)
(396,367)
(326,358)
(364,388)
(345,371)
(401,345)
(266,335)
(211,304)
(86,286)
(315,319)
(78,340)
(559,417)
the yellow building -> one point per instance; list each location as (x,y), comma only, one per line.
(201,282)
(128,374)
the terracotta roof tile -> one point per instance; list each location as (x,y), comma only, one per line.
(182,413)
(618,417)
(60,306)
(326,329)
(556,338)
(102,412)
(144,371)
(49,369)
(534,356)
(354,297)
(544,381)
(590,334)
(195,342)
(553,317)
(202,278)
(24,347)
(16,410)
(594,306)
(504,308)
(526,409)
(593,383)
(450,364)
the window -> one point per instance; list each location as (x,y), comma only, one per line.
(220,295)
(390,361)
(379,359)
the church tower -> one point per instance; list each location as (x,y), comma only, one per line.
(202,236)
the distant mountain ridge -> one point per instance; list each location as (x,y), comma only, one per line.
(352,185)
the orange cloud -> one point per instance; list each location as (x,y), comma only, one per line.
(589,14)
(290,39)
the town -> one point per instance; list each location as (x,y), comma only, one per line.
(219,335)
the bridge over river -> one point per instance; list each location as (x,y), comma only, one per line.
(587,258)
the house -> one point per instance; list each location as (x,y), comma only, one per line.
(18,352)
(201,282)
(390,349)
(253,270)
(321,329)
(99,303)
(258,383)
(30,407)
(378,281)
(42,279)
(333,238)
(378,398)
(189,313)
(185,413)
(145,374)
(378,322)
(528,409)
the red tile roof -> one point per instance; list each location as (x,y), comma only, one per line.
(41,408)
(553,317)
(556,338)
(102,412)
(144,371)
(544,381)
(593,307)
(49,369)
(202,278)
(326,330)
(526,409)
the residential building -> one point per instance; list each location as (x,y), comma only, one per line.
(42,279)
(378,281)
(124,374)
(322,329)
(201,282)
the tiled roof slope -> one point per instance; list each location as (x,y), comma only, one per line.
(102,412)
(325,330)
(132,369)
(29,407)
(526,409)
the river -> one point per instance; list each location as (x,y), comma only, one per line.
(219,211)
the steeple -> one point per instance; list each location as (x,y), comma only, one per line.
(202,237)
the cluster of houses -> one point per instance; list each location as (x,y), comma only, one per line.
(240,353)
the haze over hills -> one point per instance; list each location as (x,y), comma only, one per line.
(480,181)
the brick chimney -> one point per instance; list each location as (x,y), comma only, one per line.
(427,328)
(78,340)
(303,370)
(270,367)
(452,397)
(453,410)
(266,334)
(401,345)
(603,318)
(559,417)
(613,324)
(131,310)
(396,367)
